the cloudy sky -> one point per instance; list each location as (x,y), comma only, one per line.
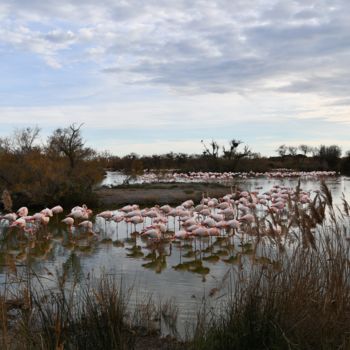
(156,76)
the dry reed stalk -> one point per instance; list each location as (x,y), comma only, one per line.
(7,201)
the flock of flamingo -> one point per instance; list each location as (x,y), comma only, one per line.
(227,176)
(227,215)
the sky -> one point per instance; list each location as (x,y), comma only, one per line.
(159,76)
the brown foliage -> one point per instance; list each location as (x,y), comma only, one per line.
(40,176)
(6,200)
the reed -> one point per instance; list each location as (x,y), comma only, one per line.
(95,315)
(303,304)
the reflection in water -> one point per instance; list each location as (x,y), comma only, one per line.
(184,267)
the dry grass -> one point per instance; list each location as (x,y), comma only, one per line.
(304,304)
(95,315)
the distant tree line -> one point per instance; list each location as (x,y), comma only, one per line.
(324,157)
(236,157)
(213,158)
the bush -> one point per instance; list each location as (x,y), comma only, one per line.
(44,176)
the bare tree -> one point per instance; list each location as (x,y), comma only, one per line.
(292,150)
(212,150)
(330,154)
(305,149)
(229,153)
(232,151)
(5,144)
(23,139)
(314,151)
(69,142)
(282,150)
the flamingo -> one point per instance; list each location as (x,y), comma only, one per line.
(106,215)
(248,218)
(47,212)
(127,208)
(20,222)
(161,227)
(153,233)
(209,222)
(190,222)
(188,204)
(132,213)
(87,225)
(213,231)
(37,217)
(223,205)
(165,209)
(117,218)
(217,217)
(137,219)
(45,220)
(182,234)
(57,209)
(235,224)
(201,231)
(23,211)
(9,217)
(77,214)
(160,219)
(69,222)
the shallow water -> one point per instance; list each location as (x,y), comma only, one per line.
(149,267)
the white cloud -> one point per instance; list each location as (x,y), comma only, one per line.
(52,62)
(204,46)
(209,110)
(180,63)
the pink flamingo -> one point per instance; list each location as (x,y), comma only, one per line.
(106,215)
(87,225)
(47,212)
(57,209)
(69,222)
(23,211)
(9,217)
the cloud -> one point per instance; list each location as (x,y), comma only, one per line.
(58,36)
(139,126)
(180,65)
(202,46)
(340,102)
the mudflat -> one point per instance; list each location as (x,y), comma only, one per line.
(159,193)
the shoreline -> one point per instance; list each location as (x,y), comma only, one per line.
(159,193)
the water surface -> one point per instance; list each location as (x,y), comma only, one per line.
(156,269)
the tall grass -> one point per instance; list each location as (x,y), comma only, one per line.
(303,304)
(93,315)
